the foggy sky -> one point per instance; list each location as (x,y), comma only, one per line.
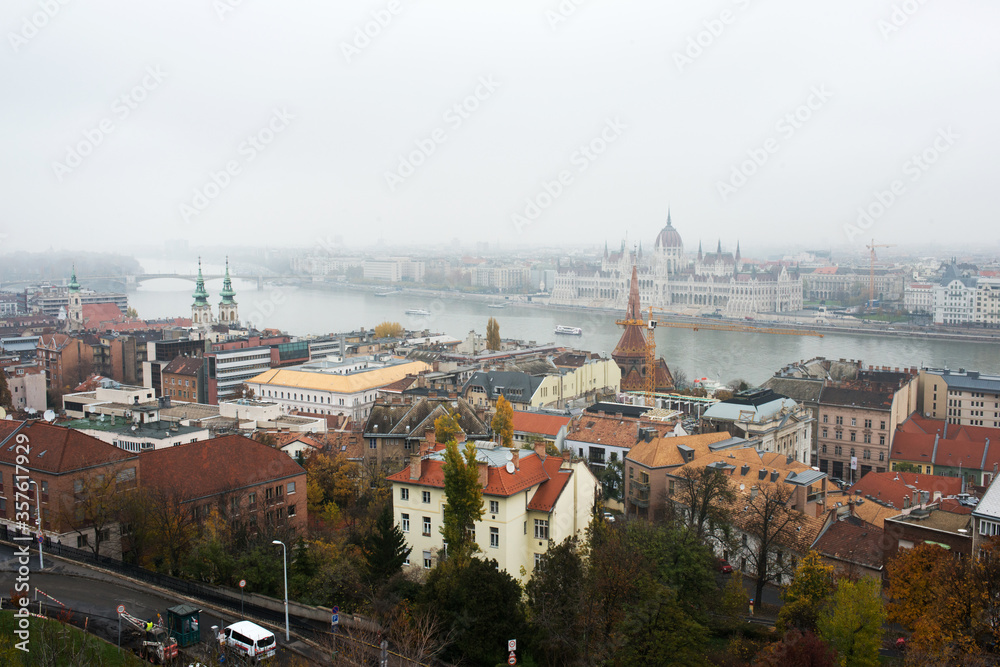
(118,116)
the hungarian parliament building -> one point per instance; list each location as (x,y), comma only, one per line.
(713,281)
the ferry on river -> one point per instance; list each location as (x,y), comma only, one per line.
(418,311)
(569,331)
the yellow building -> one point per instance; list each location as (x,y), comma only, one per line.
(531,502)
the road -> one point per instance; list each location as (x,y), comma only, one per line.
(96,596)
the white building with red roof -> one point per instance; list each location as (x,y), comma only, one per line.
(531,501)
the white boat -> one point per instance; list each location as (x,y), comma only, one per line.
(389,292)
(569,331)
(418,311)
(497,305)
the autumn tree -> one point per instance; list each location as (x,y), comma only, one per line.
(243,392)
(503,421)
(94,507)
(463,499)
(853,624)
(706,495)
(913,589)
(810,590)
(389,330)
(6,400)
(446,428)
(770,524)
(492,335)
(802,649)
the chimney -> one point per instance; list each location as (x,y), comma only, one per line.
(744,470)
(753,491)
(762,473)
(484,473)
(415,466)
(429,440)
(774,475)
(517,458)
(540,449)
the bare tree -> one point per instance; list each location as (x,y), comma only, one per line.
(706,496)
(96,503)
(770,524)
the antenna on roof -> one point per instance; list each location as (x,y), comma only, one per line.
(510,467)
(49,416)
(509,456)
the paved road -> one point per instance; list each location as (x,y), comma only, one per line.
(97,596)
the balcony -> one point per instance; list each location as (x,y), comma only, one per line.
(639,493)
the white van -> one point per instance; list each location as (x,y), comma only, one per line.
(250,639)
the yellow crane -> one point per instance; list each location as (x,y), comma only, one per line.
(871,269)
(650,324)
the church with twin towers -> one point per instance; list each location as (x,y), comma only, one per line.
(201,309)
(671,278)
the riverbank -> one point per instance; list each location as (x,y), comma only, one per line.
(834,326)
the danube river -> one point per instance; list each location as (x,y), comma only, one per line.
(719,355)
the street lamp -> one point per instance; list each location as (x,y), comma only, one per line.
(38,511)
(284,560)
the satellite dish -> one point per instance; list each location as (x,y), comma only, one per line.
(742,486)
(509,456)
(49,416)
(510,467)
(101,419)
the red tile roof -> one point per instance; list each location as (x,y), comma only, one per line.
(184,366)
(893,487)
(529,472)
(209,467)
(612,431)
(541,424)
(548,492)
(852,540)
(56,449)
(95,314)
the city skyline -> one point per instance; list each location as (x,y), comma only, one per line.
(765,124)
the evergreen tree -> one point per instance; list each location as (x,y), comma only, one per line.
(385,548)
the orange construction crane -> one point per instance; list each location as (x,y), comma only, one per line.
(650,324)
(871,270)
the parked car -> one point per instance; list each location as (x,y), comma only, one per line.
(723,566)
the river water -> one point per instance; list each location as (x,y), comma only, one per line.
(719,355)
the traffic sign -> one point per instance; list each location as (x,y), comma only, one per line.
(512,645)
(512,659)
(335,619)
(243,583)
(336,609)
(121,609)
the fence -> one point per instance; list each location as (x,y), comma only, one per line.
(259,606)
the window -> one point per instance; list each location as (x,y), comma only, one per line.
(281,512)
(404,520)
(839,435)
(291,510)
(404,494)
(427,497)
(252,499)
(269,493)
(840,421)
(881,440)
(541,529)
(278,491)
(826,433)
(868,423)
(427,560)
(631,472)
(494,507)
(291,488)
(427,526)
(824,449)
(670,487)
(854,422)
(868,437)
(825,420)
(372,443)
(538,560)
(882,426)
(495,538)
(81,541)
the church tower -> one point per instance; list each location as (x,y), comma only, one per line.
(74,319)
(630,353)
(229,312)
(201,311)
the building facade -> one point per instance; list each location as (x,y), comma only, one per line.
(535,502)
(667,277)
(961,397)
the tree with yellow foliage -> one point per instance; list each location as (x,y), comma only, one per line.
(503,421)
(811,589)
(389,330)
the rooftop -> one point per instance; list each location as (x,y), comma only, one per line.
(339,382)
(154,430)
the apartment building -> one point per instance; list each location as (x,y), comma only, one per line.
(960,397)
(531,502)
